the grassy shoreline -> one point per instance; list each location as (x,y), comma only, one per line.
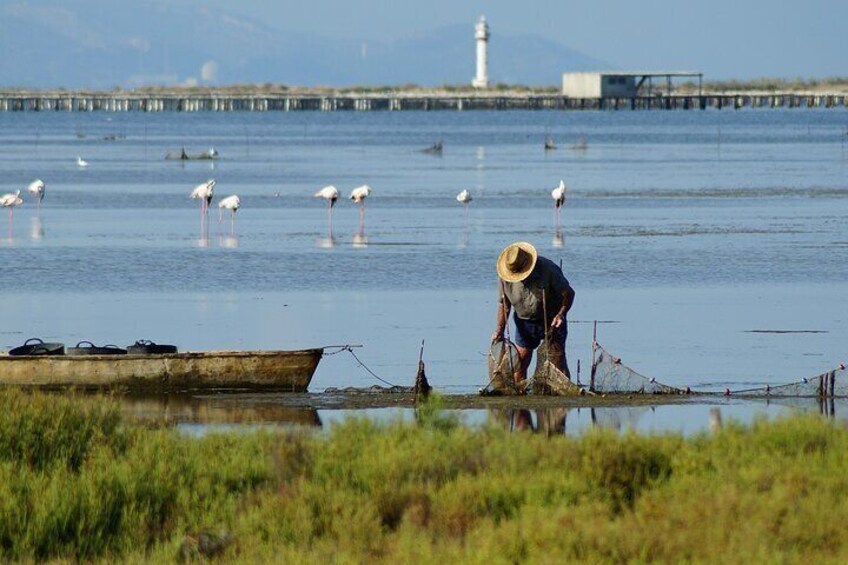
(77,482)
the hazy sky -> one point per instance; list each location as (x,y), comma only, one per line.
(723,38)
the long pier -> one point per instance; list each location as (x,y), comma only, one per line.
(216,102)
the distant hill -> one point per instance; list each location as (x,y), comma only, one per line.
(96,44)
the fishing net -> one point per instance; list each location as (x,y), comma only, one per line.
(548,378)
(503,362)
(610,375)
(830,383)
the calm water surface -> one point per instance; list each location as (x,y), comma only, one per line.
(684,230)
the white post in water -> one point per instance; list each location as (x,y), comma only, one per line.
(481,33)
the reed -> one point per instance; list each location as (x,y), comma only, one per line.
(79,483)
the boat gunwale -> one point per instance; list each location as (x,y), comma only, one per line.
(319,351)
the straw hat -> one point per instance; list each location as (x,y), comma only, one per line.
(516,261)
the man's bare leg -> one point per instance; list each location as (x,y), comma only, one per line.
(524,357)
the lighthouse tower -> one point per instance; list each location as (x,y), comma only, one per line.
(481,34)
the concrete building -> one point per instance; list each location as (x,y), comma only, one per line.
(620,84)
(481,34)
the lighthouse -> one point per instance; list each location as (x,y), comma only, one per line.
(481,34)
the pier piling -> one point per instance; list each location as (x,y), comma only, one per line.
(42,101)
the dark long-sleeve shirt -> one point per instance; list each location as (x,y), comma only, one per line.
(526,296)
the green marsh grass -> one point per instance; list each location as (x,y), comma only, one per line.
(79,483)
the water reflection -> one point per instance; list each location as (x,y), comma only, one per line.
(36,228)
(621,417)
(558,240)
(183,409)
(581,144)
(463,238)
(480,154)
(229,241)
(325,242)
(183,162)
(207,410)
(827,407)
(548,421)
(360,240)
(203,240)
(686,418)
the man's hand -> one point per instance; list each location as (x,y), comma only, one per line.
(557,321)
(498,336)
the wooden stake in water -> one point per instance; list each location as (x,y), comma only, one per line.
(594,361)
(715,420)
(422,386)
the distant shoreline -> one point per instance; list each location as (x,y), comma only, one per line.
(763,86)
(268,97)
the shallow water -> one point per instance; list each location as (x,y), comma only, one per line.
(204,413)
(686,229)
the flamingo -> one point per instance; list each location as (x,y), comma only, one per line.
(10,201)
(81,162)
(36,188)
(330,193)
(464,198)
(204,192)
(231,203)
(358,195)
(558,194)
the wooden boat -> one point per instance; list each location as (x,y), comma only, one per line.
(289,371)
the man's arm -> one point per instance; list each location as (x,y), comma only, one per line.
(567,301)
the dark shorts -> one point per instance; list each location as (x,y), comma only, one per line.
(529,334)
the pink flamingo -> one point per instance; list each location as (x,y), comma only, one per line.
(464,198)
(358,195)
(10,201)
(330,193)
(231,203)
(36,188)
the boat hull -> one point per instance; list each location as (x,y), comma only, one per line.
(279,370)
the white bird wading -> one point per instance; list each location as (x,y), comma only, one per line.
(36,188)
(558,194)
(358,195)
(231,203)
(329,193)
